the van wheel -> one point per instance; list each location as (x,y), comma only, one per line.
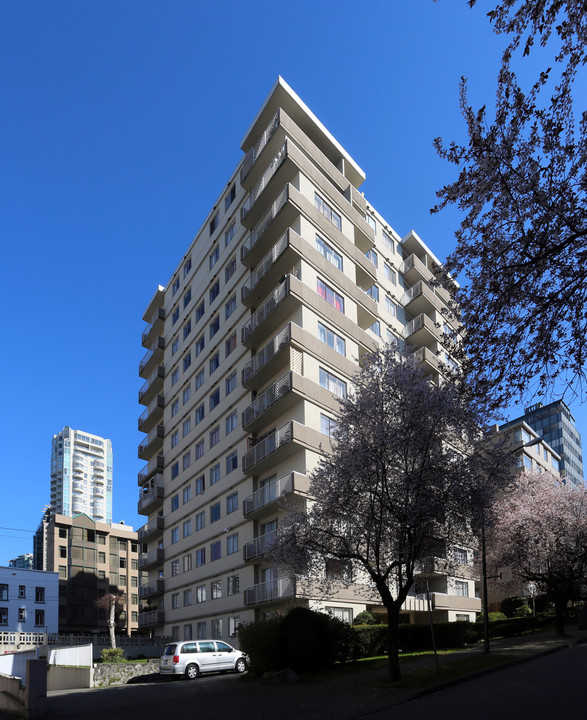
(240,666)
(192,672)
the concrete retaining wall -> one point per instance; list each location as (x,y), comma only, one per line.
(28,702)
(60,677)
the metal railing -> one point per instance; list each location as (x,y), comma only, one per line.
(259,545)
(264,180)
(159,314)
(157,374)
(267,591)
(265,265)
(264,222)
(268,493)
(268,445)
(267,398)
(268,306)
(266,353)
(256,150)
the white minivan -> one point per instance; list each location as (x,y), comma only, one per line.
(193,657)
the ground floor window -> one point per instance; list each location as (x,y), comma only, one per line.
(341,613)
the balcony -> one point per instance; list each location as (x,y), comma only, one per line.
(258,546)
(152,414)
(272,311)
(151,589)
(154,327)
(152,443)
(267,406)
(261,367)
(150,559)
(442,601)
(152,385)
(270,591)
(151,618)
(251,249)
(151,498)
(153,356)
(155,465)
(98,492)
(284,253)
(429,360)
(256,150)
(270,171)
(255,458)
(421,331)
(151,529)
(273,492)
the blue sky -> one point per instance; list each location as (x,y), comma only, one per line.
(120,123)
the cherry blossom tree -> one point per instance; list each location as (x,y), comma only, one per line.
(522,246)
(540,531)
(401,484)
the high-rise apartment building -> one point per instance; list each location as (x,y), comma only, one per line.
(291,279)
(555,424)
(81,475)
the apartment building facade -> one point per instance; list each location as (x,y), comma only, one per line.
(28,600)
(90,559)
(292,277)
(81,475)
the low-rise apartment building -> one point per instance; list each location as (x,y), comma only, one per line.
(28,600)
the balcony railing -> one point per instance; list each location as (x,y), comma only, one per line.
(157,403)
(265,265)
(268,591)
(269,445)
(151,468)
(264,222)
(159,314)
(157,375)
(267,398)
(153,617)
(151,558)
(255,151)
(155,492)
(159,344)
(154,526)
(155,434)
(152,588)
(259,545)
(268,306)
(263,182)
(266,353)
(268,493)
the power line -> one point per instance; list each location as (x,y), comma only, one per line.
(17,529)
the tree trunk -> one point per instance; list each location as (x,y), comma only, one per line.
(560,606)
(393,647)
(112,621)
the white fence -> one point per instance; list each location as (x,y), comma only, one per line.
(14,664)
(79,655)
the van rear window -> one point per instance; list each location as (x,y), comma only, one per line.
(169,650)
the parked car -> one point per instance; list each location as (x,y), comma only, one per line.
(193,657)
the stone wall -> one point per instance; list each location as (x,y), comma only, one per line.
(106,674)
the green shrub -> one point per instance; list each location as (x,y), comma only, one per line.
(261,642)
(370,640)
(113,655)
(365,618)
(510,605)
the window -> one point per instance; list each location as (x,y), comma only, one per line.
(214,326)
(174,408)
(175,345)
(3,591)
(231,462)
(3,616)
(389,274)
(200,485)
(187,328)
(200,520)
(371,221)
(372,255)
(214,255)
(230,307)
(328,212)
(174,470)
(229,234)
(215,474)
(387,241)
(187,393)
(175,601)
(329,252)
(232,544)
(230,344)
(188,266)
(231,422)
(187,597)
(230,196)
(214,398)
(213,223)
(186,426)
(215,436)
(327,425)
(40,617)
(200,449)
(187,298)
(22,591)
(174,568)
(214,512)
(200,557)
(215,589)
(390,306)
(199,346)
(230,383)
(230,268)
(187,562)
(214,291)
(175,286)
(187,631)
(461,588)
(330,338)
(174,377)
(201,630)
(187,460)
(332,383)
(232,502)
(215,552)
(187,528)
(21,614)
(200,311)
(187,494)
(174,535)
(460,556)
(216,626)
(40,594)
(175,316)
(232,585)
(330,295)
(174,438)
(373,292)
(175,632)
(200,379)
(199,413)
(201,594)
(214,362)
(376,328)
(341,613)
(174,502)
(187,361)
